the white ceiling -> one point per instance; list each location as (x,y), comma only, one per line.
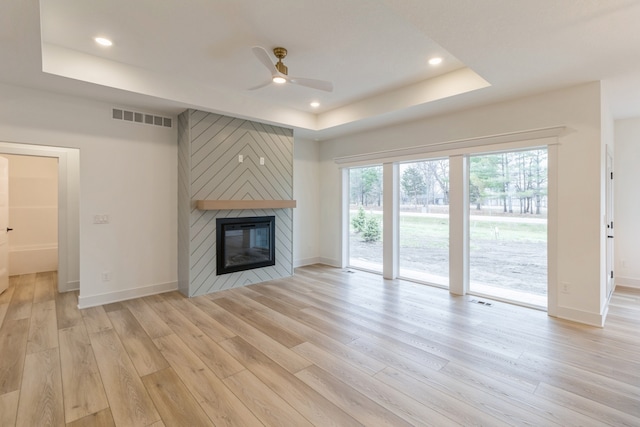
(172,54)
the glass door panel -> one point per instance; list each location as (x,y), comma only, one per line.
(365,218)
(508,226)
(424,221)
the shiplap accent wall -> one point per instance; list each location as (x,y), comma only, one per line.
(209,147)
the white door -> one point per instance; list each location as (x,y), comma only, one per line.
(4,223)
(609,207)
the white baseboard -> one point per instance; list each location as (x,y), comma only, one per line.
(306,261)
(588,318)
(107,298)
(35,259)
(70,286)
(330,262)
(628,282)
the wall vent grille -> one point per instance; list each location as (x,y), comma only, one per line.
(143,118)
(476,301)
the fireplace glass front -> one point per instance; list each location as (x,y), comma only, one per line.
(244,243)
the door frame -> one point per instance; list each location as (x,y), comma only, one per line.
(4,224)
(609,213)
(68,206)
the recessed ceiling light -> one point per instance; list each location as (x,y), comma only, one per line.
(279,80)
(315,104)
(103,42)
(435,61)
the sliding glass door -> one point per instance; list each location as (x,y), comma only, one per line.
(365,218)
(508,226)
(424,221)
(505,226)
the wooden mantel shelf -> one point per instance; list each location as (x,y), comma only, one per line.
(219,205)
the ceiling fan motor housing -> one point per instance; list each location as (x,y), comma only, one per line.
(279,71)
(280,53)
(282,68)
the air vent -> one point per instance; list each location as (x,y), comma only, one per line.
(143,118)
(479,301)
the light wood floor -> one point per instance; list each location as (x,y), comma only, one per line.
(326,347)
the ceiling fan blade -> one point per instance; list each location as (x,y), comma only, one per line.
(312,83)
(263,56)
(267,83)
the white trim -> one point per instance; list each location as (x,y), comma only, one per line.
(306,261)
(364,269)
(627,282)
(588,318)
(330,262)
(510,301)
(552,230)
(38,247)
(68,204)
(390,220)
(127,294)
(70,286)
(529,138)
(423,282)
(344,219)
(458,224)
(33,259)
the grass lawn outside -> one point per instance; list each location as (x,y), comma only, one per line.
(506,253)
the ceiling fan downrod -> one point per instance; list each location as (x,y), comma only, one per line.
(280,53)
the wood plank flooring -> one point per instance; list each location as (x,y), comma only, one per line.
(326,347)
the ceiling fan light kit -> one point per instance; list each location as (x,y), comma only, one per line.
(280,72)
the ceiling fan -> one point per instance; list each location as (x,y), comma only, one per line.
(279,71)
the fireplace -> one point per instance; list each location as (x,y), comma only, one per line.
(245,243)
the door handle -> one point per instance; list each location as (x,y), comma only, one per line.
(609,237)
(9,229)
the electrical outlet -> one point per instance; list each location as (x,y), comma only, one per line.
(261,161)
(240,158)
(565,287)
(106,276)
(101,219)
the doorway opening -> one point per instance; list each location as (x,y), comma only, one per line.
(68,208)
(33,214)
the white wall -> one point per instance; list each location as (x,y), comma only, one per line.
(579,173)
(627,202)
(127,171)
(33,214)
(306,190)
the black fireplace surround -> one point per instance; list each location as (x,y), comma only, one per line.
(245,243)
